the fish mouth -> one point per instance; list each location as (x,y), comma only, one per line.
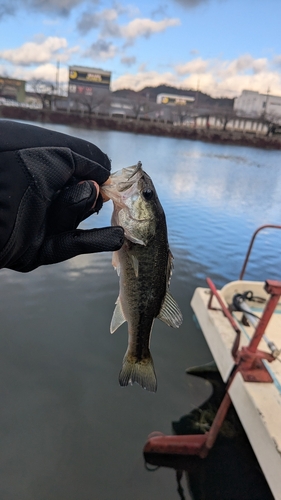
(122,180)
(136,167)
(128,172)
(129,180)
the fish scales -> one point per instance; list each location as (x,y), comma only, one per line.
(144,266)
(146,293)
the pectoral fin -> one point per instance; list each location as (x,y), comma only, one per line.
(116,262)
(118,317)
(135,263)
(133,238)
(170,312)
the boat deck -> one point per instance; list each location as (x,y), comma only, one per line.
(258,404)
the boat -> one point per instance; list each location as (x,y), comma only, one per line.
(241,323)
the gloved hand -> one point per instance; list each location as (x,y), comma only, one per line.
(46,190)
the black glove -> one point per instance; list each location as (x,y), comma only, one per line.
(46,190)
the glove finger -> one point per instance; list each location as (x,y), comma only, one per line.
(67,245)
(54,168)
(72,205)
(91,169)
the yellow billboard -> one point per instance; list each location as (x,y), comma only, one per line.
(80,76)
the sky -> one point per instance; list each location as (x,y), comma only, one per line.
(217,46)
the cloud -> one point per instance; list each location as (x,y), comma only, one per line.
(51,22)
(161,11)
(101,50)
(195,66)
(191,3)
(277,60)
(194,52)
(45,72)
(38,52)
(104,18)
(142,68)
(143,79)
(223,77)
(128,61)
(7,8)
(60,7)
(4,72)
(216,77)
(245,64)
(107,21)
(88,22)
(146,27)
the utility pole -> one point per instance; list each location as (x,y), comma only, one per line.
(58,77)
(267,96)
(196,95)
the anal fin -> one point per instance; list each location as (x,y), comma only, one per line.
(118,317)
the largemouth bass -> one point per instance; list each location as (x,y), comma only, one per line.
(144,265)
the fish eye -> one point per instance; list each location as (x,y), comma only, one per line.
(147,194)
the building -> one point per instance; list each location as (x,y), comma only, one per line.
(273,107)
(13,89)
(254,104)
(86,81)
(174,100)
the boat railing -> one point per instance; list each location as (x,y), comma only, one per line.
(266,226)
(249,358)
(226,312)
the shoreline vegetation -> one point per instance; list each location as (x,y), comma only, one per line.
(143,126)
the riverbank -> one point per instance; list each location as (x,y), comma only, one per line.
(143,126)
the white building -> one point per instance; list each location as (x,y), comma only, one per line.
(254,104)
(174,100)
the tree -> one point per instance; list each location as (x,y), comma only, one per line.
(44,90)
(90,102)
(226,118)
(140,105)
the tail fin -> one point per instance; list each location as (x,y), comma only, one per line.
(139,371)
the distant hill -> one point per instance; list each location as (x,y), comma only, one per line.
(151,93)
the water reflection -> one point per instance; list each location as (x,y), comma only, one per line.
(68,429)
(230,470)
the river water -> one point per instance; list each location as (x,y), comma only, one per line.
(68,430)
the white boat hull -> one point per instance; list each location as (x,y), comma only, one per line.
(257,404)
